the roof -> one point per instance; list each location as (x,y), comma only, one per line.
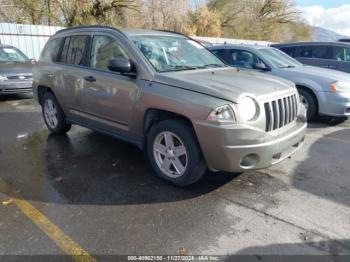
(231,46)
(312,43)
(127,32)
(8,46)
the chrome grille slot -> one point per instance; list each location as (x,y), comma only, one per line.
(280,112)
(19,77)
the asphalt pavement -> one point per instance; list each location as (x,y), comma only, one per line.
(87,192)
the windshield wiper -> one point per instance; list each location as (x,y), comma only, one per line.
(213,65)
(289,66)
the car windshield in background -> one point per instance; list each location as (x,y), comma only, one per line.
(278,58)
(11,55)
(168,53)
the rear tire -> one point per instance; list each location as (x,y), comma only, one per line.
(309,101)
(174,152)
(54,117)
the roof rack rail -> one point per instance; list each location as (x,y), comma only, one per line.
(87,27)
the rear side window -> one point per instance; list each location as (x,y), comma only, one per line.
(341,53)
(63,55)
(314,51)
(221,53)
(73,50)
(288,50)
(51,50)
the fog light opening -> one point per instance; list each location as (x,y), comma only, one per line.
(249,161)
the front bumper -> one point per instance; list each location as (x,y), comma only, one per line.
(335,104)
(16,87)
(240,147)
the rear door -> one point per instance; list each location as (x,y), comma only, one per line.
(73,60)
(315,55)
(110,95)
(340,58)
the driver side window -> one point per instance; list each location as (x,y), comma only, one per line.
(243,59)
(103,49)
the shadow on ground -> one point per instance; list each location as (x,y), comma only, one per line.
(328,251)
(89,168)
(13,97)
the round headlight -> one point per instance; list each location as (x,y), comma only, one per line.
(247,108)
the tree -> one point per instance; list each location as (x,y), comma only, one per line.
(259,19)
(204,22)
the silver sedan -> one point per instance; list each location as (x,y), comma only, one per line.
(322,91)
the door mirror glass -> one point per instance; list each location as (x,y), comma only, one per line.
(261,66)
(121,65)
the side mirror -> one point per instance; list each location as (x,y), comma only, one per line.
(32,61)
(261,66)
(121,65)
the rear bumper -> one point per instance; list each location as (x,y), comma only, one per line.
(16,87)
(238,148)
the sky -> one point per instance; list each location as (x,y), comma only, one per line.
(329,14)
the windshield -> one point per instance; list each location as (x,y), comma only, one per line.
(278,58)
(10,55)
(172,53)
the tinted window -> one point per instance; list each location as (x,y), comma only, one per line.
(51,50)
(341,53)
(103,49)
(62,57)
(318,51)
(75,50)
(244,59)
(220,53)
(288,50)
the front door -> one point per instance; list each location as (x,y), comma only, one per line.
(110,96)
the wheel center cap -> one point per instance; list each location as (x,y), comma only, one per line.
(170,153)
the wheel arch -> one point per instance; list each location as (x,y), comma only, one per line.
(154,115)
(311,92)
(41,92)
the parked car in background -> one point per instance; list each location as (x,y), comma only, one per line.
(170,96)
(15,71)
(332,55)
(322,91)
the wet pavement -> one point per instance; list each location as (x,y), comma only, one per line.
(102,194)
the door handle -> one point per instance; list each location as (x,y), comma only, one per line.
(90,78)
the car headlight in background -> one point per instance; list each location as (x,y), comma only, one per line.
(248,108)
(340,86)
(222,114)
(3,78)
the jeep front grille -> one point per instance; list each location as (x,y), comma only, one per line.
(281,112)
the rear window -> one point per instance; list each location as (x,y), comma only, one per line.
(51,50)
(314,51)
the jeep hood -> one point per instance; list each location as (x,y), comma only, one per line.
(225,83)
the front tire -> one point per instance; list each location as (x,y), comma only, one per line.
(310,103)
(174,152)
(54,117)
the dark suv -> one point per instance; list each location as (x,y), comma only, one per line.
(333,55)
